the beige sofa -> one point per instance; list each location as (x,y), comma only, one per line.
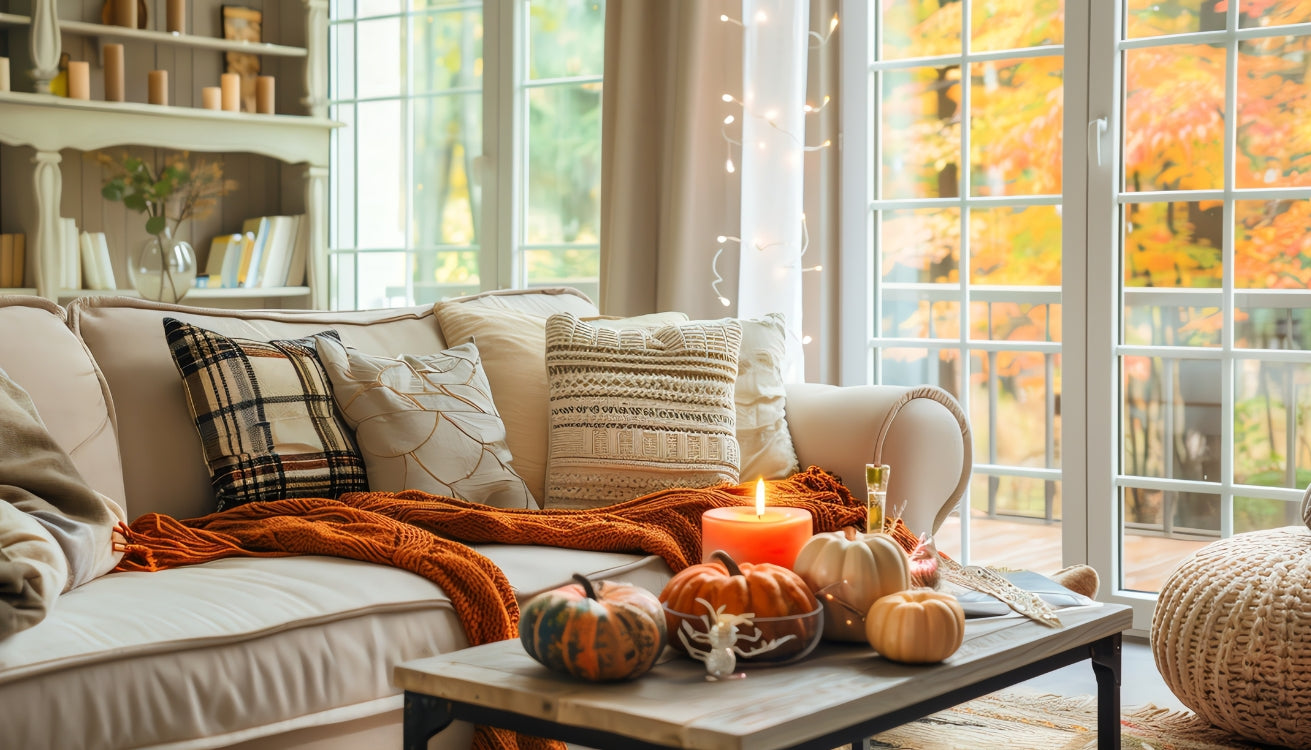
(297,652)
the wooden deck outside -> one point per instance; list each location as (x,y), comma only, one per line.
(1036,545)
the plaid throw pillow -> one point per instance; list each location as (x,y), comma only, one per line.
(266,417)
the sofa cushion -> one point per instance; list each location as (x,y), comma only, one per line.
(760,398)
(268,423)
(130,649)
(638,410)
(163,462)
(425,423)
(39,352)
(513,347)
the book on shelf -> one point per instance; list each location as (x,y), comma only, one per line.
(273,252)
(97,270)
(71,255)
(224,260)
(258,227)
(301,250)
(281,248)
(13,260)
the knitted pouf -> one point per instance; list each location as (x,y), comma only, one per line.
(1232,635)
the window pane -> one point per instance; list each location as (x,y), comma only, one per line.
(341,81)
(1016,246)
(1171,418)
(1005,24)
(905,365)
(575,267)
(377,7)
(1174,245)
(341,280)
(566,38)
(1160,17)
(921,245)
(380,192)
(1015,321)
(1005,539)
(1152,318)
(1274,148)
(907,316)
(1011,414)
(1272,244)
(445,274)
(448,51)
(915,29)
(1015,126)
(381,50)
(920,142)
(1272,408)
(1256,514)
(1174,118)
(564,164)
(341,227)
(1160,530)
(1273,12)
(382,280)
(447,137)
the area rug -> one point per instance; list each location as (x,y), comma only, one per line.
(1017,720)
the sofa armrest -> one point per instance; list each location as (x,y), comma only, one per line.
(921,432)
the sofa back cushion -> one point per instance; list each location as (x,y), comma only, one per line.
(40,354)
(164,466)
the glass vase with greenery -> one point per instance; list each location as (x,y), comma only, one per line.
(168,194)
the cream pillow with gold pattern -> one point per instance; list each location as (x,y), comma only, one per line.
(636,410)
(425,423)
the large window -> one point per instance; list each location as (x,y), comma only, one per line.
(1094,235)
(471,156)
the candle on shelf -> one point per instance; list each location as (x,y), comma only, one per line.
(762,534)
(79,79)
(231,85)
(124,13)
(264,95)
(4,74)
(114,73)
(211,97)
(158,80)
(176,16)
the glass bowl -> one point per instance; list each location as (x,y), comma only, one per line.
(758,642)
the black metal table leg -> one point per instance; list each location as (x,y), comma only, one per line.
(424,717)
(1106,666)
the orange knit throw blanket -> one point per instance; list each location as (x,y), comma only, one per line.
(422,533)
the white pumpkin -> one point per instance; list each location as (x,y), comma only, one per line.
(849,571)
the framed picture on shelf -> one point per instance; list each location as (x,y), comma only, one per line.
(243,25)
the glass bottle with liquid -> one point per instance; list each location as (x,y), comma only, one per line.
(876,483)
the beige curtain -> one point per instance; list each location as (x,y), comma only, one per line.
(665,195)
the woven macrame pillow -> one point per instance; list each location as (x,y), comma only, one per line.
(638,410)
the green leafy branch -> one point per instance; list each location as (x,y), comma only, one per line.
(169,195)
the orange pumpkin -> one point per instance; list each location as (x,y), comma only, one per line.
(763,589)
(599,632)
(919,626)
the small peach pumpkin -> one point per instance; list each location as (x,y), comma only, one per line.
(849,571)
(919,626)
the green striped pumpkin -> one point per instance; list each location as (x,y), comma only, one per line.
(602,632)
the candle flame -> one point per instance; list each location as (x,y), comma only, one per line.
(760,497)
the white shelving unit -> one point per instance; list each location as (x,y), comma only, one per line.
(49,124)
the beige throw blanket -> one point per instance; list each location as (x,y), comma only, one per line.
(56,532)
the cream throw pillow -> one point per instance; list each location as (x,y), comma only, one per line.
(513,349)
(761,400)
(637,410)
(425,423)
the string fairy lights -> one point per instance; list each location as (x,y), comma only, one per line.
(773,103)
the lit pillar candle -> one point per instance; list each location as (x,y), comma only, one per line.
(114,72)
(211,97)
(264,95)
(79,79)
(231,85)
(158,88)
(763,534)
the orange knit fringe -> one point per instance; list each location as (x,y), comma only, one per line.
(422,533)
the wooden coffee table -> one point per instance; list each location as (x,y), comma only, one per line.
(839,694)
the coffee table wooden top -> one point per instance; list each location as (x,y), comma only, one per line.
(673,704)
